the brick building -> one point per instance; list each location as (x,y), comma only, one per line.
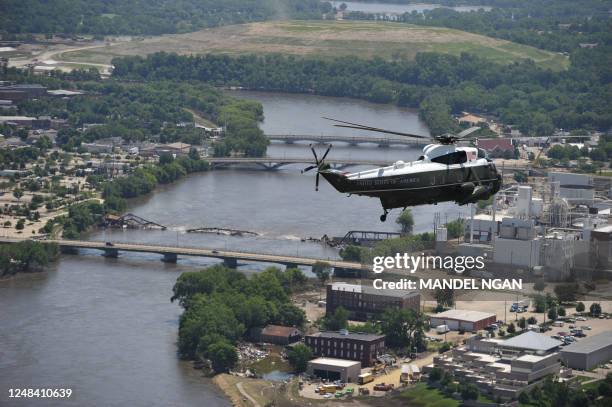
(343,345)
(364,302)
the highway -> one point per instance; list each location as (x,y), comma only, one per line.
(352,140)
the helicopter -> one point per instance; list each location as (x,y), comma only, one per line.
(444,172)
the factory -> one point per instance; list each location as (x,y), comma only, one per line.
(460,320)
(344,345)
(589,352)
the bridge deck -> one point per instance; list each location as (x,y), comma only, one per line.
(200,252)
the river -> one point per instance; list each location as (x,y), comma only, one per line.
(390,8)
(106,328)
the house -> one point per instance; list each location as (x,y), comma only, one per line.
(471,119)
(497,147)
(280,335)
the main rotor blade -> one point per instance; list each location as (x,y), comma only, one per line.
(309,168)
(315,154)
(358,126)
(467,132)
(317,182)
(377,130)
(326,152)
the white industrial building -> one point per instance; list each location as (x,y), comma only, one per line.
(335,369)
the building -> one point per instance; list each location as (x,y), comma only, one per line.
(463,320)
(344,345)
(530,342)
(364,302)
(280,335)
(589,352)
(334,369)
(21,92)
(497,147)
(601,242)
(502,368)
(63,93)
(177,148)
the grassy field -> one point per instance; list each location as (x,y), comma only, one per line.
(323,38)
(423,396)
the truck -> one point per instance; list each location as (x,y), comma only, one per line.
(328,389)
(442,329)
(365,378)
(383,387)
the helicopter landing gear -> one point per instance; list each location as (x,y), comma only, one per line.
(383,217)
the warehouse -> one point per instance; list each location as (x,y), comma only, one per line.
(589,352)
(335,369)
(462,320)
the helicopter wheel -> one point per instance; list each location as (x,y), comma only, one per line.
(383,217)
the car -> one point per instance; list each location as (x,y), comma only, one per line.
(586,327)
(572,327)
(327,396)
(109,244)
(215,252)
(580,334)
(581,319)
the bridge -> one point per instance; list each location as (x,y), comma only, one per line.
(351,140)
(274,163)
(230,258)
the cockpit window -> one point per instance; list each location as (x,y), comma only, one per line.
(458,157)
(482,153)
(421,158)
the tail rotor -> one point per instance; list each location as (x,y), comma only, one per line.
(319,164)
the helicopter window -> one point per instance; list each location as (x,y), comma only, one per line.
(482,153)
(421,158)
(458,157)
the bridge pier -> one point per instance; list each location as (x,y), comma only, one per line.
(111,253)
(290,266)
(230,262)
(169,258)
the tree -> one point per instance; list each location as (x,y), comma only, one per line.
(351,253)
(406,221)
(580,306)
(595,309)
(445,297)
(338,320)
(539,285)
(561,311)
(322,270)
(20,224)
(222,355)
(524,398)
(18,193)
(511,328)
(298,356)
(552,313)
(566,292)
(402,328)
(469,392)
(455,228)
(532,321)
(522,323)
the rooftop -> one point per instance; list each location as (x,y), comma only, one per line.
(366,289)
(590,344)
(335,362)
(278,330)
(351,335)
(532,341)
(464,315)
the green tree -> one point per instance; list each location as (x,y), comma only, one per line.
(322,270)
(469,392)
(566,292)
(539,285)
(552,313)
(298,357)
(595,309)
(406,221)
(338,320)
(522,323)
(511,328)
(18,193)
(401,328)
(580,307)
(223,356)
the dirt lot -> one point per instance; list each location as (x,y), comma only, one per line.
(326,38)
